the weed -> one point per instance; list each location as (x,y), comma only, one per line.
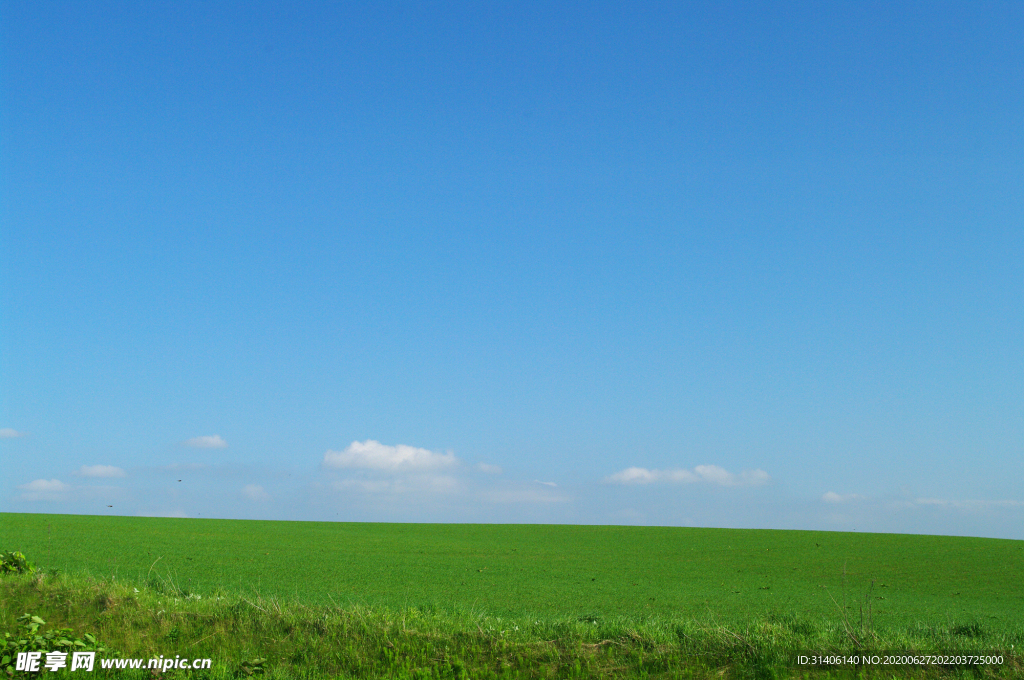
(15,562)
(32,639)
(255,666)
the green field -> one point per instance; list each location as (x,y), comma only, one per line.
(617,579)
(546,570)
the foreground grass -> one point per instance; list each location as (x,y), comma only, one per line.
(354,641)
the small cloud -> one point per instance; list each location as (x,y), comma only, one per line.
(50,485)
(10,433)
(633,475)
(44,490)
(208,442)
(715,475)
(255,492)
(833,497)
(489,469)
(545,483)
(372,455)
(711,474)
(100,471)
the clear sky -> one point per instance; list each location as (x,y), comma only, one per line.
(737,264)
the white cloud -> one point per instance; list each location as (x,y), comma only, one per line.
(255,492)
(545,483)
(489,469)
(372,455)
(833,497)
(10,433)
(51,485)
(715,475)
(391,472)
(711,474)
(44,490)
(633,475)
(100,471)
(207,442)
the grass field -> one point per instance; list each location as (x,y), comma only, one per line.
(546,570)
(596,582)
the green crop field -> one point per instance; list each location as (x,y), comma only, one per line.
(547,569)
(544,573)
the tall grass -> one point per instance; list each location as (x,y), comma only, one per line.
(298,640)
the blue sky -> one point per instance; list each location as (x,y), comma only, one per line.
(710,264)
